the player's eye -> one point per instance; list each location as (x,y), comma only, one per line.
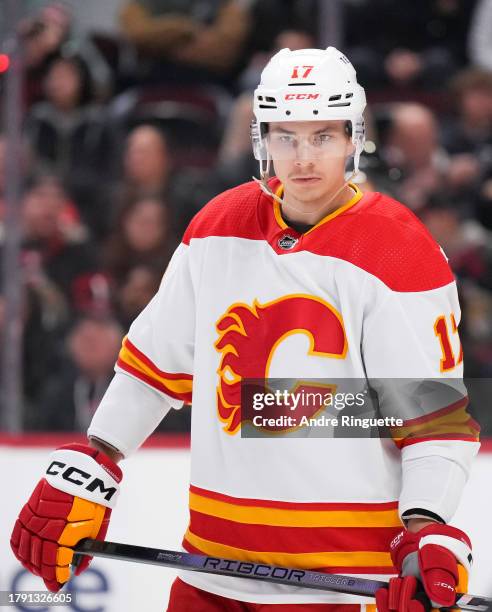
(321,139)
(286,139)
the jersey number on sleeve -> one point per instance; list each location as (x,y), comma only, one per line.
(441,330)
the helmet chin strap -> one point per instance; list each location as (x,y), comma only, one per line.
(265,175)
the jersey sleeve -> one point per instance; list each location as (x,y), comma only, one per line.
(128,413)
(159,347)
(413,358)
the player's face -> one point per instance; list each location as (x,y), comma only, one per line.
(309,157)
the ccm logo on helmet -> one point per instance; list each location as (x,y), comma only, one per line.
(74,475)
(302,96)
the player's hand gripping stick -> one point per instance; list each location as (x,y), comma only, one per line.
(72,501)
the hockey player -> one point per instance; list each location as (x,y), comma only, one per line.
(301,275)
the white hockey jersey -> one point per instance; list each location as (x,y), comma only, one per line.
(365,293)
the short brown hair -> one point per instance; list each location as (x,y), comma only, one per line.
(470,79)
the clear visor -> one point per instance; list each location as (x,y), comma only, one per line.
(284,144)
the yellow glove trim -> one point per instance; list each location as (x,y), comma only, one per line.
(84,521)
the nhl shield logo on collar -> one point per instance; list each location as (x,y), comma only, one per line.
(287,242)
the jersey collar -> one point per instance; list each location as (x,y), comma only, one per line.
(284,239)
(341,209)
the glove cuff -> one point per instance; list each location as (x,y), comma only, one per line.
(450,538)
(460,549)
(106,462)
(84,472)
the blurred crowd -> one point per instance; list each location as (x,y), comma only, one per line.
(128,135)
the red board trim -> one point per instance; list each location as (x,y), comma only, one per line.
(55,439)
(158,440)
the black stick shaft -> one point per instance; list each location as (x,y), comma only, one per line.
(256,571)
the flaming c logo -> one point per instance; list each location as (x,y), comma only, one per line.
(249,336)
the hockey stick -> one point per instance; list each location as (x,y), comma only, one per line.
(256,571)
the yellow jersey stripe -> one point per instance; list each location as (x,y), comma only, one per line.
(179,386)
(302,560)
(293,518)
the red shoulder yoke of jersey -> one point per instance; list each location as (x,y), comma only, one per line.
(377,234)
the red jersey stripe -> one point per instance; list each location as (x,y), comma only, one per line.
(327,506)
(291,539)
(133,349)
(186,397)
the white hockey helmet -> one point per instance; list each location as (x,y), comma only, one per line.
(308,85)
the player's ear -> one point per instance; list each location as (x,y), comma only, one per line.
(350,149)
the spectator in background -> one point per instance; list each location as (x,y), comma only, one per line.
(187,41)
(483,201)
(413,155)
(148,171)
(69,398)
(43,34)
(465,243)
(470,131)
(142,238)
(26,159)
(236,163)
(55,243)
(134,292)
(293,39)
(411,43)
(69,135)
(146,162)
(48,33)
(44,316)
(467,137)
(272,17)
(469,250)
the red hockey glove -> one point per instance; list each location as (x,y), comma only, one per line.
(439,557)
(72,501)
